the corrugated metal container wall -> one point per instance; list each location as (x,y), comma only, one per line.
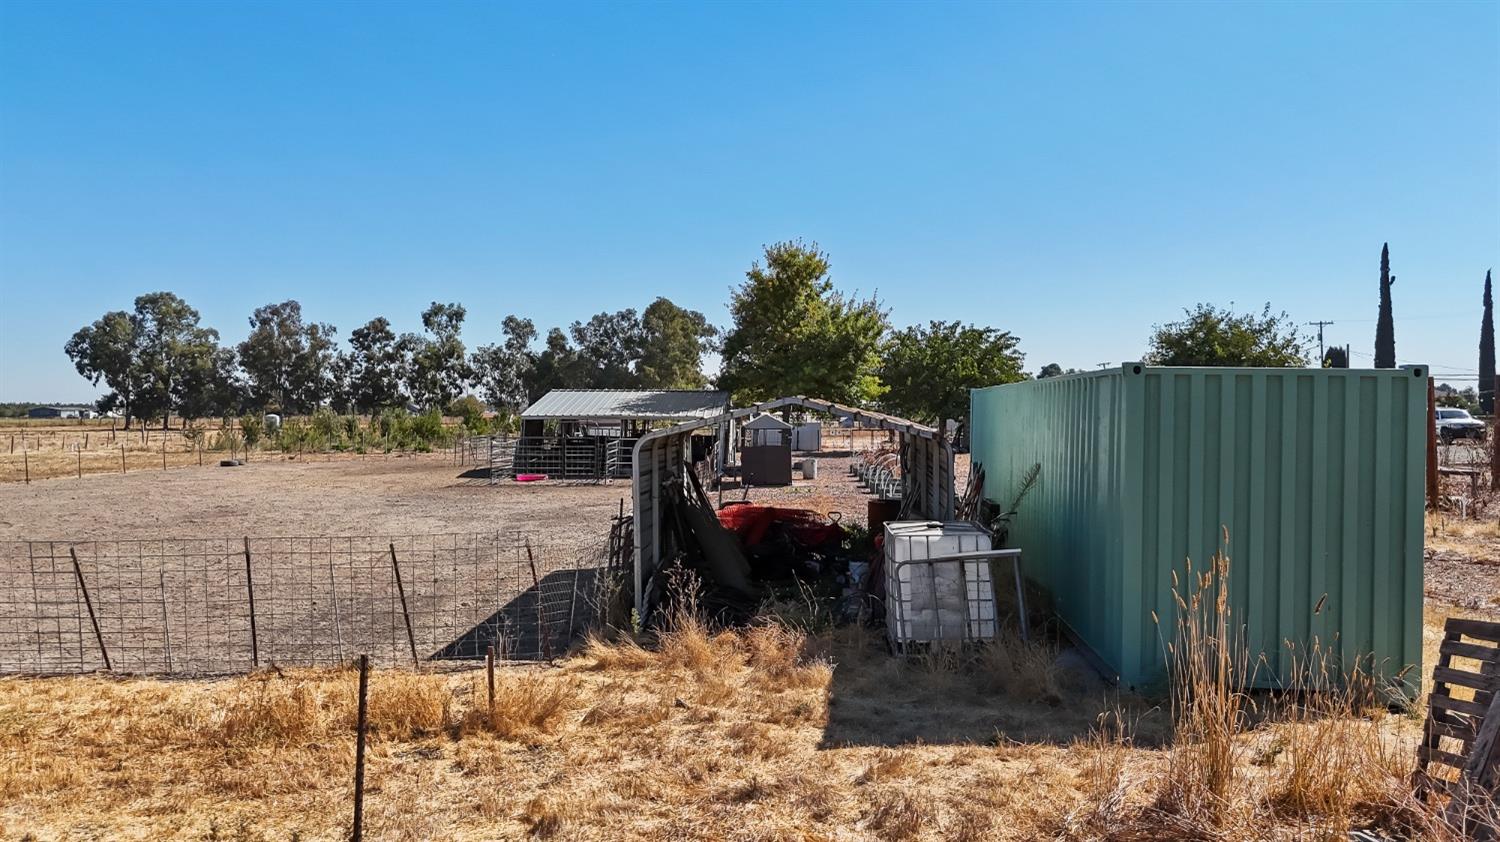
(1316,474)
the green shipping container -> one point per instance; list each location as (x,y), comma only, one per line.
(1316,474)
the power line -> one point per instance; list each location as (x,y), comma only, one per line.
(1455,368)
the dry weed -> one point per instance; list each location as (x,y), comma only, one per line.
(896,814)
(526,705)
(887,765)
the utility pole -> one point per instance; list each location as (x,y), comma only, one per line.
(1320,325)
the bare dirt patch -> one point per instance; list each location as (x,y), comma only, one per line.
(377,495)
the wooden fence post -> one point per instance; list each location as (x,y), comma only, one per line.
(411,639)
(89,604)
(80,463)
(1432,454)
(1495,441)
(250,591)
(26,464)
(360,726)
(122,458)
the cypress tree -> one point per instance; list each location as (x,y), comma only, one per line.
(1385,328)
(1487,352)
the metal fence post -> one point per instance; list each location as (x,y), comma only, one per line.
(250,592)
(361,724)
(166,623)
(89,604)
(489,668)
(411,639)
(541,617)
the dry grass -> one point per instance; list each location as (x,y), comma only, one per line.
(763,733)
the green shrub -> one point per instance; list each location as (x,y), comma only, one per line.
(427,431)
(327,430)
(471,411)
(227,439)
(252,429)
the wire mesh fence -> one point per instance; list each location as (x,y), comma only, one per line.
(223,605)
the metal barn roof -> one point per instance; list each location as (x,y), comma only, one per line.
(766,421)
(602,404)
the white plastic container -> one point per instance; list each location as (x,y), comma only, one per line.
(948,600)
(809,468)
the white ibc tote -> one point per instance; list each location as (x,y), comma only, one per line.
(944,600)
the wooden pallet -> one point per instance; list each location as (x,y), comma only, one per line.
(1459,750)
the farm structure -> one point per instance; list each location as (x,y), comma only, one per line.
(766,451)
(68,411)
(664,470)
(589,434)
(1309,481)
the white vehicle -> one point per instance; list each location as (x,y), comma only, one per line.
(1454,424)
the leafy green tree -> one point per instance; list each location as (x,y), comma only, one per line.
(1466,398)
(673,341)
(558,366)
(1385,327)
(608,345)
(502,371)
(929,371)
(375,367)
(1487,351)
(794,334)
(172,357)
(1212,337)
(155,359)
(439,363)
(208,384)
(106,350)
(289,364)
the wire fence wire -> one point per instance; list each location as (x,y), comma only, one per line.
(224,605)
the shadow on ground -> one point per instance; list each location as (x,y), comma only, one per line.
(879,699)
(539,622)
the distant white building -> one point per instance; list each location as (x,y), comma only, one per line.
(62,411)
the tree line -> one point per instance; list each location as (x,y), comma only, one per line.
(157,360)
(792,332)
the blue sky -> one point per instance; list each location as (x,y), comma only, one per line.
(1072,172)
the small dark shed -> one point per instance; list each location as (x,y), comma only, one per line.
(766,451)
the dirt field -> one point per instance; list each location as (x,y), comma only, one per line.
(375,495)
(163,556)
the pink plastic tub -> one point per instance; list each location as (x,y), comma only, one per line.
(530,477)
